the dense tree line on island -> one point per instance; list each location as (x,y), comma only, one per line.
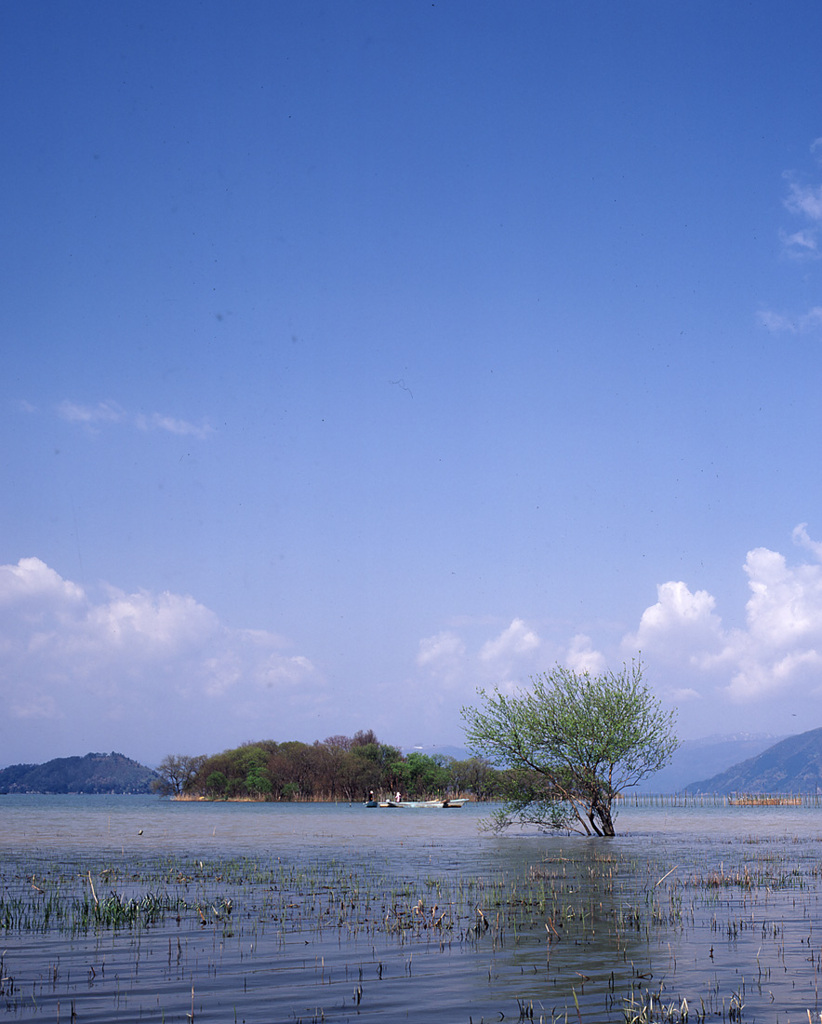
(346,768)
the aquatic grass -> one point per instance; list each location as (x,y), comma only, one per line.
(552,918)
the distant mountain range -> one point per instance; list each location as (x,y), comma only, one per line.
(794,765)
(693,758)
(728,764)
(739,763)
(94,773)
(703,758)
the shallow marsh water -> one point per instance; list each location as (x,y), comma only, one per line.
(133,908)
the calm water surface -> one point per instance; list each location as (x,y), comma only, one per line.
(136,824)
(339,912)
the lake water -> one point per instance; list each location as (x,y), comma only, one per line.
(336,912)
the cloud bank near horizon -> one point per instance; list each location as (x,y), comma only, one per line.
(778,653)
(154,673)
(691,655)
(137,672)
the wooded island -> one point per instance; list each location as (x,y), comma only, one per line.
(337,768)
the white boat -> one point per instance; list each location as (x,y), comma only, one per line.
(456,802)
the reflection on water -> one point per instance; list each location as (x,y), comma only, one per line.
(335,912)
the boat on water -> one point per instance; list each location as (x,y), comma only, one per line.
(456,802)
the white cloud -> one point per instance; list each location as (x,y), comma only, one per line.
(31,578)
(149,672)
(443,657)
(779,650)
(103,412)
(582,657)
(462,659)
(511,643)
(801,244)
(780,323)
(685,694)
(786,604)
(805,200)
(764,675)
(800,536)
(173,426)
(812,320)
(444,648)
(775,322)
(681,626)
(93,416)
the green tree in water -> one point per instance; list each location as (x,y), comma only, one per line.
(570,744)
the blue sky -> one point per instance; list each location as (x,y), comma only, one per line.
(356,355)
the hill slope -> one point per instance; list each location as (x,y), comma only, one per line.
(793,765)
(710,755)
(94,773)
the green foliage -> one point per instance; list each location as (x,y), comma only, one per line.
(290,791)
(216,783)
(339,768)
(570,744)
(254,762)
(420,774)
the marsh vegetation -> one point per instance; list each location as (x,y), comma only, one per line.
(449,925)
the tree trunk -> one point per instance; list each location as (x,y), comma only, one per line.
(601,807)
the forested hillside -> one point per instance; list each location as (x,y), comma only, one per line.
(94,773)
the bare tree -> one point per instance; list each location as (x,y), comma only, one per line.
(177,772)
